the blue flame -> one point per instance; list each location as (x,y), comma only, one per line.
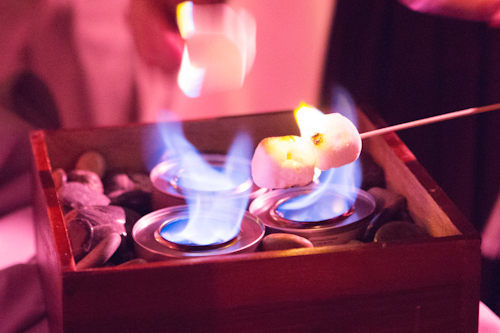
(348,177)
(208,188)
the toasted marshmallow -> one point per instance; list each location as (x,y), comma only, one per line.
(338,145)
(281,162)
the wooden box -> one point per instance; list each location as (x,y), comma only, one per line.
(413,286)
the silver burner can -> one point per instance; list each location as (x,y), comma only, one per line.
(168,192)
(330,228)
(152,246)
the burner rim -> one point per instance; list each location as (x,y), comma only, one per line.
(187,247)
(307,224)
(251,233)
(171,187)
(260,207)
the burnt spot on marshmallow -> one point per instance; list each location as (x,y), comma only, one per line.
(317,139)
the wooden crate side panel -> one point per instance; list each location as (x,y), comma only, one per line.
(424,210)
(222,130)
(406,311)
(47,253)
(430,207)
(227,293)
(48,262)
(429,285)
(122,147)
(51,203)
(137,147)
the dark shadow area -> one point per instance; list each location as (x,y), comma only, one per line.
(408,66)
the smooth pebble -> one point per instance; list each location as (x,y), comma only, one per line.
(136,261)
(390,206)
(283,241)
(400,231)
(92,161)
(118,182)
(88,226)
(101,253)
(59,177)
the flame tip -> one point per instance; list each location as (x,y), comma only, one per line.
(184,15)
(309,120)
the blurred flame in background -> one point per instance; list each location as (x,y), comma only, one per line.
(219,47)
(214,213)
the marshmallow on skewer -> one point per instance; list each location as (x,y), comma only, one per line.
(336,140)
(281,162)
(338,145)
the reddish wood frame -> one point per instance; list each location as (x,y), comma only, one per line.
(418,286)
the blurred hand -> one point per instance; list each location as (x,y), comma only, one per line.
(154,29)
(477,10)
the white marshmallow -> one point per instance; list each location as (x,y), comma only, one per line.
(338,145)
(281,162)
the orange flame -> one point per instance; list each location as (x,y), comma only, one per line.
(310,120)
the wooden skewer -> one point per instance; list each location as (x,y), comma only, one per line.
(430,120)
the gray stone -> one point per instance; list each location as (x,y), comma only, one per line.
(142,182)
(80,237)
(88,178)
(136,200)
(92,161)
(390,206)
(136,261)
(75,195)
(101,253)
(59,177)
(118,182)
(88,226)
(400,231)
